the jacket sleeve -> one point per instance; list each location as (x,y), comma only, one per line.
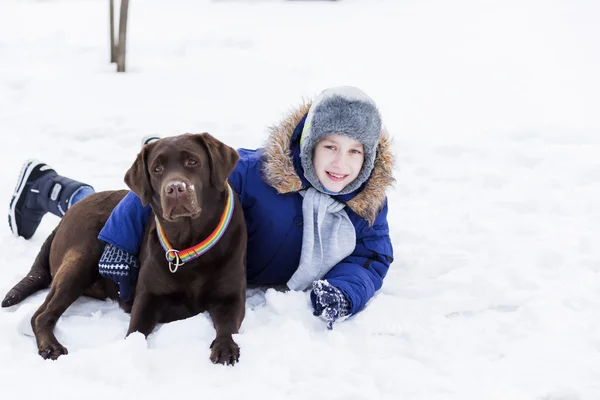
(238,177)
(126,225)
(361,274)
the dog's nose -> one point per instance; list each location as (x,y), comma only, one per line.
(175,188)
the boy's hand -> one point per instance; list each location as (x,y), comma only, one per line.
(329,302)
(121,267)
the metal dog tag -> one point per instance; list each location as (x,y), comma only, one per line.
(176,263)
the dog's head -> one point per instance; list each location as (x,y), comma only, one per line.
(178,174)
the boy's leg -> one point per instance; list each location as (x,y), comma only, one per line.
(40,190)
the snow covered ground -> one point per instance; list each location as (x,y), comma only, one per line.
(494,105)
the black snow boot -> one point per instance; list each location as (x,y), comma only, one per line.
(40,190)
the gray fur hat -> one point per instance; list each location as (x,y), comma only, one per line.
(347,111)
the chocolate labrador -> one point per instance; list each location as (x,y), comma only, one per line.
(184,179)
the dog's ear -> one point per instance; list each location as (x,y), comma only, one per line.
(138,178)
(222,159)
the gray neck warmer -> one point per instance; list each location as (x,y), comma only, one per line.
(327,239)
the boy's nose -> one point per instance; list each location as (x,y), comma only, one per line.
(338,159)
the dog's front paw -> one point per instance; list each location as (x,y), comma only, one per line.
(51,350)
(224,351)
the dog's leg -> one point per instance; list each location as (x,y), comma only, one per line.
(69,283)
(144,314)
(227,317)
(43,322)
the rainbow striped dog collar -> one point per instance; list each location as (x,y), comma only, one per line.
(177,258)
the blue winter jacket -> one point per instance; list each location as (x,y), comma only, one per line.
(267,182)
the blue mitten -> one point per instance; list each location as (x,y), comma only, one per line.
(328,302)
(121,267)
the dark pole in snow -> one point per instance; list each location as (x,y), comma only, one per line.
(113,53)
(122,36)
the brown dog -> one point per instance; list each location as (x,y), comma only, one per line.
(184,179)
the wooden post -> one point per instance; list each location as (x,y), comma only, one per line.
(113,52)
(122,47)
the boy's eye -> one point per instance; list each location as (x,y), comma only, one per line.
(330,147)
(354,151)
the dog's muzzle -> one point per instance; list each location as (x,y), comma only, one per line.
(179,200)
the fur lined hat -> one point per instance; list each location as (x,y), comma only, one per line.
(346,111)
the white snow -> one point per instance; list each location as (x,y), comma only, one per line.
(494,106)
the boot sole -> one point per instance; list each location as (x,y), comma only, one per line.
(149,139)
(26,169)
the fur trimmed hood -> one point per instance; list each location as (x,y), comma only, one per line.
(279,172)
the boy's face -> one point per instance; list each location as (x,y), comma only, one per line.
(337,160)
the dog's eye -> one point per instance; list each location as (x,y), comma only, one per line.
(157,169)
(191,162)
